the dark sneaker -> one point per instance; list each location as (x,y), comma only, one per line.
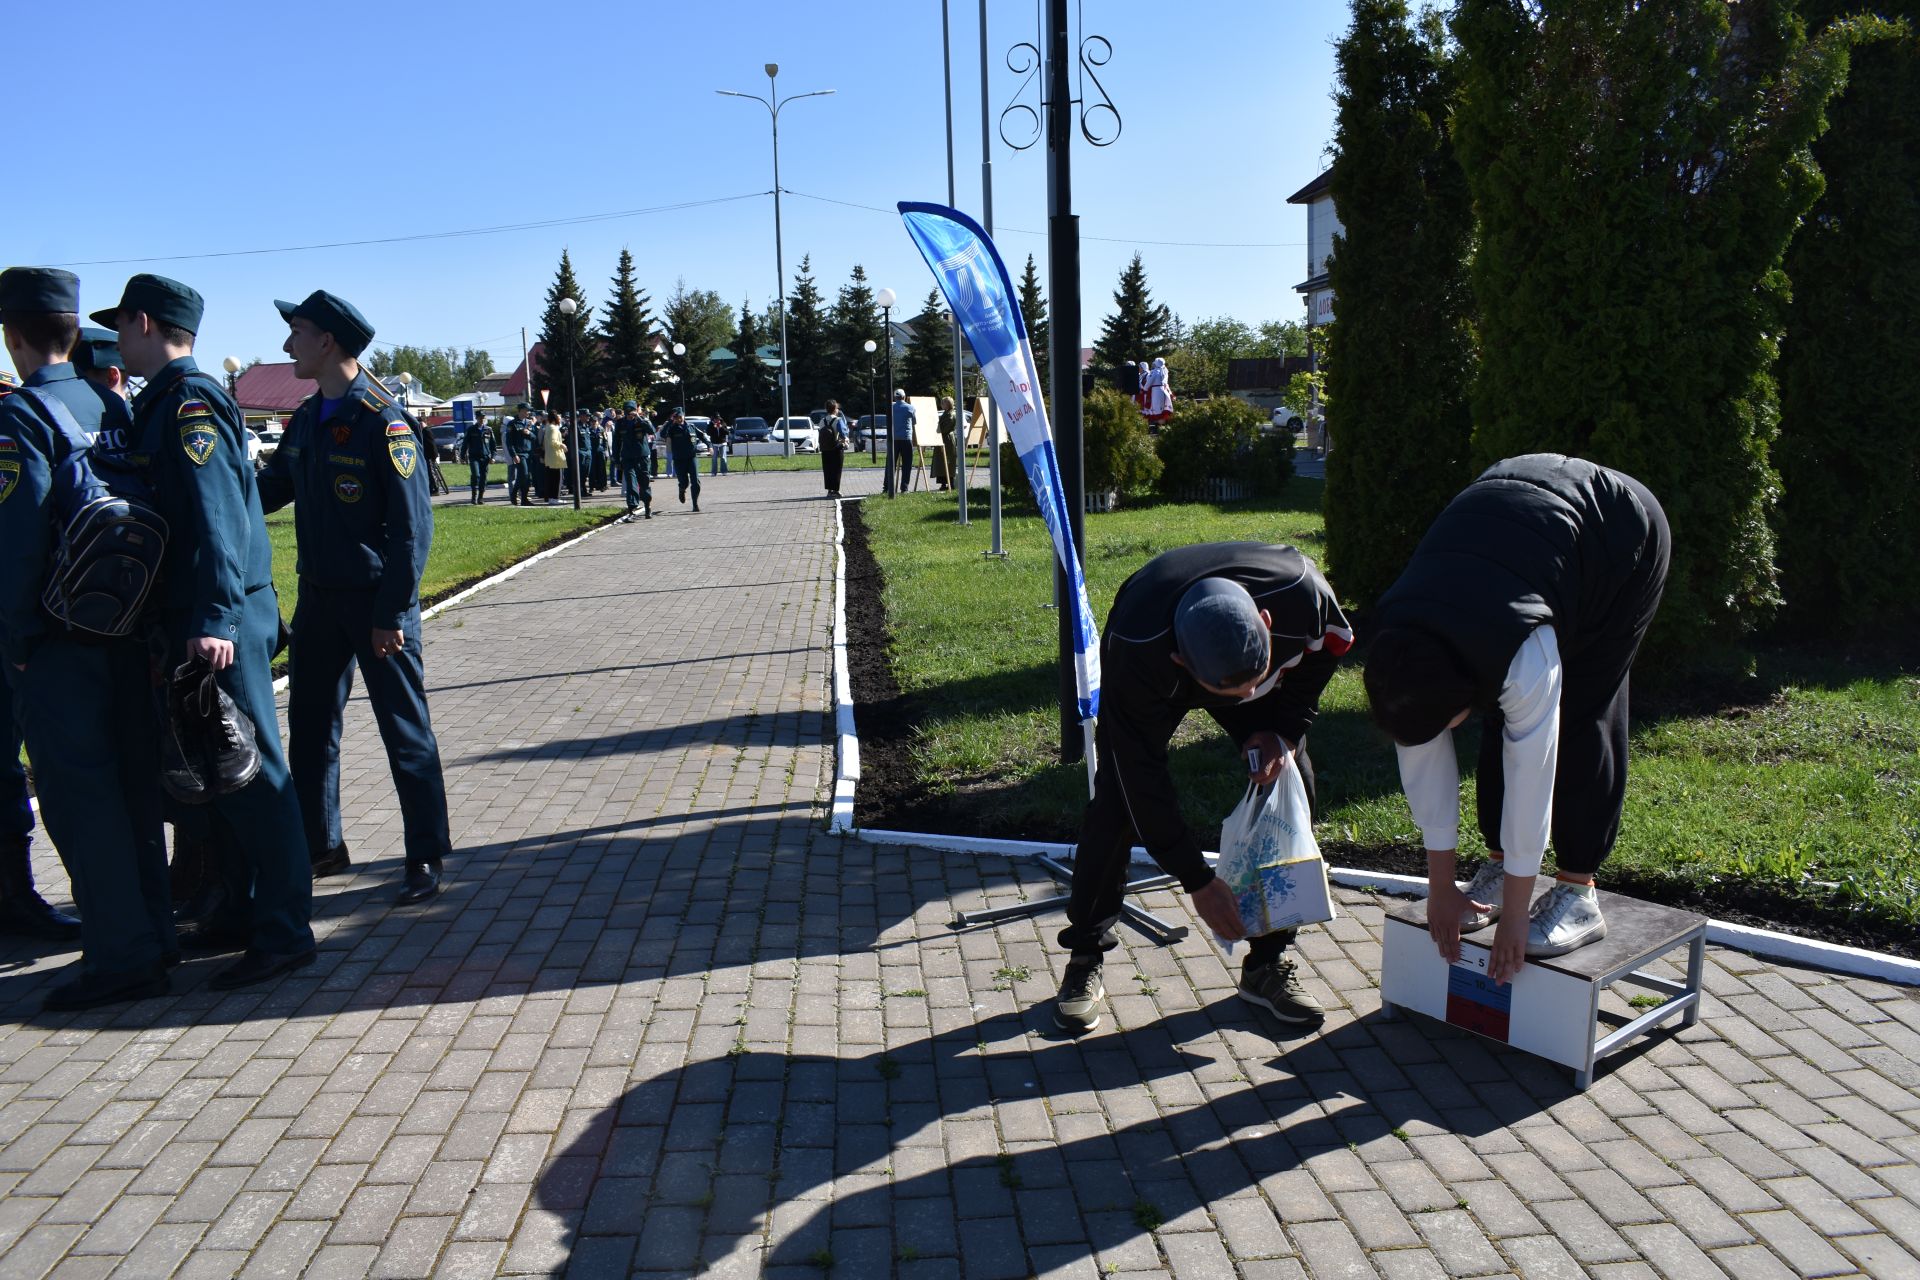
(1276,988)
(1077,1007)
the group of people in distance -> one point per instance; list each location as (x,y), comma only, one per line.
(543,453)
(1524,604)
(352,466)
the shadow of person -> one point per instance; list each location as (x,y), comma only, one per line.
(993,1138)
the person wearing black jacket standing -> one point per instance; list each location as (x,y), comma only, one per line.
(1526,603)
(1250,633)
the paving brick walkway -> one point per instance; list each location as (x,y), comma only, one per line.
(661,1023)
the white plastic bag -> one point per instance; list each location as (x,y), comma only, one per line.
(1271,861)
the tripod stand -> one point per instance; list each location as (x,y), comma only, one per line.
(1142,919)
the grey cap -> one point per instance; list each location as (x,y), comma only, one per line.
(1219,635)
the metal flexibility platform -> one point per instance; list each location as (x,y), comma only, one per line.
(1552,1006)
(1142,919)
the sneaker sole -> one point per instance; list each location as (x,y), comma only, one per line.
(1296,1019)
(1592,935)
(1065,1023)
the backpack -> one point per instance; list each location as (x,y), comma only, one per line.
(108,539)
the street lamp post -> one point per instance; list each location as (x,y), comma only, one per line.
(567,307)
(885,298)
(873,414)
(232,365)
(773,102)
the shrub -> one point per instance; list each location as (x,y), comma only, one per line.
(1207,440)
(1119,452)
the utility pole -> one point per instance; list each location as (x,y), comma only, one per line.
(1063,282)
(986,221)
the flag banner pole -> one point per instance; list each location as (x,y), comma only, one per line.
(980,293)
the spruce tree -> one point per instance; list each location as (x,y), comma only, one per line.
(1033,310)
(855,320)
(1397,396)
(807,341)
(749,385)
(701,321)
(1849,455)
(1637,171)
(927,367)
(627,331)
(1139,329)
(563,335)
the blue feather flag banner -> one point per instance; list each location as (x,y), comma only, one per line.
(978,288)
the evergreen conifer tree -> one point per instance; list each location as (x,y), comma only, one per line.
(701,321)
(563,336)
(627,330)
(1033,309)
(927,367)
(854,320)
(1637,171)
(1849,454)
(807,341)
(749,381)
(1139,329)
(1397,396)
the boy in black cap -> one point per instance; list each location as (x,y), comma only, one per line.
(633,460)
(1250,633)
(363,523)
(219,607)
(82,703)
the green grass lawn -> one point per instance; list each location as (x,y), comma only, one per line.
(1813,777)
(469,543)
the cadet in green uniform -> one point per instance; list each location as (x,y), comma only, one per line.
(77,702)
(680,440)
(633,459)
(362,525)
(219,605)
(476,447)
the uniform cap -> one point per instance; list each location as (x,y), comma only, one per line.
(631,404)
(331,314)
(1219,635)
(165,302)
(41,290)
(97,349)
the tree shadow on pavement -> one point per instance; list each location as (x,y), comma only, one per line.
(878,1155)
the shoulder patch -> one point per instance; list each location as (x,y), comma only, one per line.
(9,477)
(9,445)
(197,439)
(405,454)
(193,409)
(399,429)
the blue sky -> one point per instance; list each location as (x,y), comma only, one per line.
(249,126)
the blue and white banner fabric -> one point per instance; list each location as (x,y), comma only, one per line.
(977,287)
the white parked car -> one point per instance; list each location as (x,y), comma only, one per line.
(806,437)
(253,447)
(270,435)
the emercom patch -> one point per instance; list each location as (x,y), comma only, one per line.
(405,454)
(348,488)
(9,477)
(197,439)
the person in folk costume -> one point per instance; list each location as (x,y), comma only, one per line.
(1140,393)
(1159,393)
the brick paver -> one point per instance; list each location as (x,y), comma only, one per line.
(660,1024)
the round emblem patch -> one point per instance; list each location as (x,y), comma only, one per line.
(348,488)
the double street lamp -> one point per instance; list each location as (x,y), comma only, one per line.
(773,102)
(567,307)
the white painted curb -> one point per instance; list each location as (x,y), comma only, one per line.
(280,685)
(1760,942)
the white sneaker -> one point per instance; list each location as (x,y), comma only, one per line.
(1489,885)
(1564,919)
(1077,1007)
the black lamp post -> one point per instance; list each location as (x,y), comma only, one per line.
(567,307)
(885,298)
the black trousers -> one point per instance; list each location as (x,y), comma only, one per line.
(831,462)
(1101,861)
(1590,778)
